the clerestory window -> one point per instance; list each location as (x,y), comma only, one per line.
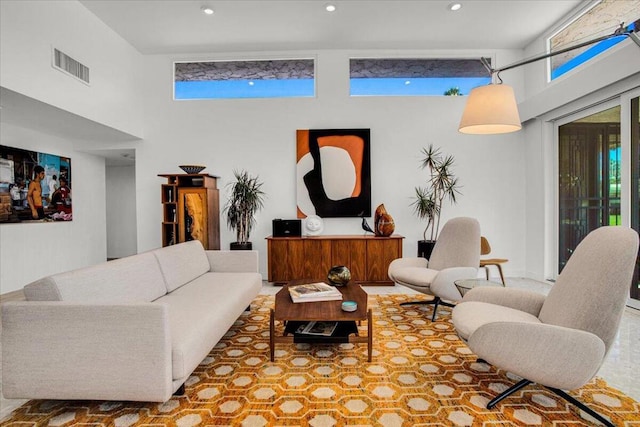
(284,78)
(601,19)
(416,76)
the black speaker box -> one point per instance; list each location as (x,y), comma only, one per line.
(287,228)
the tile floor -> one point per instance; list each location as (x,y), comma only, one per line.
(619,370)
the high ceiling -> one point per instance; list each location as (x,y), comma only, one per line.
(179,26)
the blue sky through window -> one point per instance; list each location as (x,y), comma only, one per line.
(414,86)
(592,52)
(226,89)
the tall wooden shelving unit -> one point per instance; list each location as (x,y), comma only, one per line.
(190,209)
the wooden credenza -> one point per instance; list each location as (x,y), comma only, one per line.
(310,257)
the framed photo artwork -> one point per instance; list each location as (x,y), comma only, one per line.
(34,186)
(333,173)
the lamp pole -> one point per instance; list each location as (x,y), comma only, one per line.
(617,33)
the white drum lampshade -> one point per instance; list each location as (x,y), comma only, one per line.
(490,109)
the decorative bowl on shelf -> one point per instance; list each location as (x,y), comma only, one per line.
(192,168)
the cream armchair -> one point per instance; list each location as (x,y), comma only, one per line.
(454,257)
(558,341)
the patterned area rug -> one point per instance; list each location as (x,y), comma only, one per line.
(421,374)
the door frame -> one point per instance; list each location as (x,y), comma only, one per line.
(625,138)
(551,156)
(553,231)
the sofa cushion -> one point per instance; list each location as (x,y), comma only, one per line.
(132,279)
(202,312)
(182,263)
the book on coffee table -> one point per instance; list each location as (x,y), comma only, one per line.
(313,292)
(324,329)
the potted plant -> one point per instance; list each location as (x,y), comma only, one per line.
(245,199)
(442,184)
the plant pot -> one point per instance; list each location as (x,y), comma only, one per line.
(240,246)
(425,247)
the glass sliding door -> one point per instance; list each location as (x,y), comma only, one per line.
(591,170)
(635,186)
(589,178)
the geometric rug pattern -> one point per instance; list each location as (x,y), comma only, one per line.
(422,374)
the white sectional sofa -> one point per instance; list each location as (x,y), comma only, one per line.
(129,329)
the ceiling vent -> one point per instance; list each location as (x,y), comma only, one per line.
(68,65)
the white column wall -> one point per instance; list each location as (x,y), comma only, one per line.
(30,29)
(259,135)
(605,77)
(121,211)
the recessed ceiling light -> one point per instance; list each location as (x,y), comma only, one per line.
(251,83)
(330,7)
(206,10)
(454,6)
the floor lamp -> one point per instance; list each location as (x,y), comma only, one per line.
(492,109)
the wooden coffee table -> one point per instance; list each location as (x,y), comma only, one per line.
(292,314)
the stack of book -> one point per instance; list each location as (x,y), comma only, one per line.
(313,292)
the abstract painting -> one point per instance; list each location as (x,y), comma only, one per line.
(333,172)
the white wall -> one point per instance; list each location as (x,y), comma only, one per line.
(505,178)
(259,135)
(121,211)
(620,63)
(605,77)
(537,174)
(31,251)
(609,68)
(30,29)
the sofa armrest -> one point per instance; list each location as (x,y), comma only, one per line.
(233,261)
(518,299)
(86,351)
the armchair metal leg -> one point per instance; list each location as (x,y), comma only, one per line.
(561,393)
(435,302)
(507,393)
(435,309)
(423,302)
(581,405)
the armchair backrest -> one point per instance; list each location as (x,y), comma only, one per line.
(592,289)
(457,245)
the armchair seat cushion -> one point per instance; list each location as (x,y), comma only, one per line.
(415,276)
(468,316)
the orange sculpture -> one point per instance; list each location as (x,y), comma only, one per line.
(383,222)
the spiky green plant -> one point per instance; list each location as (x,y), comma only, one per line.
(442,184)
(454,91)
(245,199)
